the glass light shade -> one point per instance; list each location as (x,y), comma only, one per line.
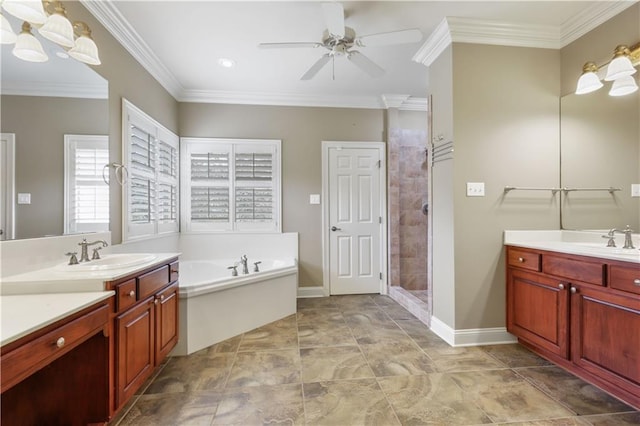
(7,36)
(27,10)
(85,51)
(620,66)
(28,48)
(588,82)
(58,29)
(623,86)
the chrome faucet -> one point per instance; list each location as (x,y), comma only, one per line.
(628,242)
(245,268)
(84,254)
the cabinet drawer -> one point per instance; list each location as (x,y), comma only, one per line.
(524,259)
(152,281)
(626,279)
(572,269)
(30,357)
(174,271)
(125,295)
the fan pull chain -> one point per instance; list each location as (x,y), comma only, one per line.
(333,67)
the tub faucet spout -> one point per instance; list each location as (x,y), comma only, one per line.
(245,268)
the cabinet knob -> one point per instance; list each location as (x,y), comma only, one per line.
(636,282)
(60,342)
(175,271)
(155,301)
(521,259)
(561,286)
(573,290)
(132,293)
(162,297)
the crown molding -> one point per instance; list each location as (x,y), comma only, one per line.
(590,18)
(466,30)
(59,90)
(393,101)
(116,24)
(280,99)
(415,104)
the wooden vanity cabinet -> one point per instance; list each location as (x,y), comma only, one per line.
(145,324)
(59,374)
(581,313)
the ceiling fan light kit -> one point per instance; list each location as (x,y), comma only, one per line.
(340,40)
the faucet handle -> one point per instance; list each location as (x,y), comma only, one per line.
(612,241)
(73,260)
(255,266)
(234,273)
(96,255)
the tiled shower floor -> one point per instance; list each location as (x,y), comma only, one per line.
(364,360)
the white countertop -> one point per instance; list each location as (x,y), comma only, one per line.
(63,279)
(24,314)
(584,243)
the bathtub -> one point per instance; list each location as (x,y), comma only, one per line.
(215,306)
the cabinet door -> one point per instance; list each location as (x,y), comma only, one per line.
(605,330)
(166,321)
(135,349)
(537,310)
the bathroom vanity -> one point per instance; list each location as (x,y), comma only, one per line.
(578,305)
(75,349)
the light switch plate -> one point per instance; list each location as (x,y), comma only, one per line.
(475,189)
(24,198)
(314,199)
(635,189)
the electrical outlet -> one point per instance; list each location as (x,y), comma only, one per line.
(475,189)
(635,189)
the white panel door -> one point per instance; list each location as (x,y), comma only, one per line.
(354,220)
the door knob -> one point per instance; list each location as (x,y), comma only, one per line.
(334,229)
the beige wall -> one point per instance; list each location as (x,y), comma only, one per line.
(506,132)
(40,153)
(442,208)
(127,79)
(301,130)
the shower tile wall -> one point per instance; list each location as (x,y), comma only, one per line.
(407,192)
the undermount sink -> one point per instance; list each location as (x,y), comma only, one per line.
(110,261)
(612,250)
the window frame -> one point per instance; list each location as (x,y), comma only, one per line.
(71,143)
(189,145)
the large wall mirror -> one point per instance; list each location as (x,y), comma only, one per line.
(600,148)
(40,104)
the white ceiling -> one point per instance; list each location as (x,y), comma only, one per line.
(180,43)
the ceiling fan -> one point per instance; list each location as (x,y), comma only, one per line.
(340,40)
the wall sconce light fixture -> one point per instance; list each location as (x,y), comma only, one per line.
(620,70)
(50,20)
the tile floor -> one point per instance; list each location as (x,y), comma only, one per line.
(364,360)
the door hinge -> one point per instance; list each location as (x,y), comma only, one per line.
(379,163)
(381,275)
(379,219)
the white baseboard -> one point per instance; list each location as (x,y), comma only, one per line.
(305,292)
(471,336)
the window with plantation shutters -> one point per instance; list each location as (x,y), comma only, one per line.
(86,194)
(150,195)
(233,185)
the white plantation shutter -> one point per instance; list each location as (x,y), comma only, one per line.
(86,194)
(234,185)
(150,195)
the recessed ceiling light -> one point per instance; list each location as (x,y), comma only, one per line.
(226,62)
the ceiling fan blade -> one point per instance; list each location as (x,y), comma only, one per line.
(413,35)
(316,67)
(334,18)
(365,64)
(292,45)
